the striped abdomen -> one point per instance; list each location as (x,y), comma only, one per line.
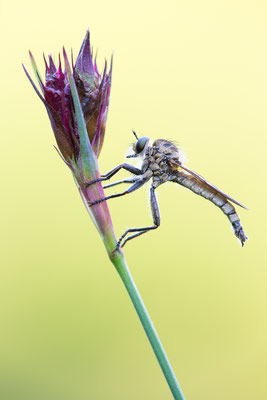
(203,189)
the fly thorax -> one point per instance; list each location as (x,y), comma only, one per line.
(157,162)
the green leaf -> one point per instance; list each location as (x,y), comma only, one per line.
(37,74)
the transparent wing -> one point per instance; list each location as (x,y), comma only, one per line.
(203,180)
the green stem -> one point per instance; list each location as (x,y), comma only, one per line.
(122,268)
(89,166)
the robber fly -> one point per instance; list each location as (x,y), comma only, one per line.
(162,163)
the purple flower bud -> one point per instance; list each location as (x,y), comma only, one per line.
(77,101)
(94,91)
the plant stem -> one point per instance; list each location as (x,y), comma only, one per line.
(104,224)
(120,264)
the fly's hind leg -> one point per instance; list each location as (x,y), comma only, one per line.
(141,231)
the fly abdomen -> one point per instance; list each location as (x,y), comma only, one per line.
(199,187)
(229,210)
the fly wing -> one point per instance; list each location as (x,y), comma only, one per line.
(203,180)
(198,185)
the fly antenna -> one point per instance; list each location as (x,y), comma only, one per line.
(135,134)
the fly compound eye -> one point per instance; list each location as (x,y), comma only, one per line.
(140,144)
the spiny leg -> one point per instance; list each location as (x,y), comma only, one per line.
(108,175)
(127,180)
(131,189)
(141,231)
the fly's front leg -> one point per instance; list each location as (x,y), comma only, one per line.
(131,189)
(108,175)
(141,231)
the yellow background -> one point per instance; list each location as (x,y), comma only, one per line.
(195,72)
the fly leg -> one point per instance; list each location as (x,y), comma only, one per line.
(108,175)
(127,180)
(131,189)
(141,231)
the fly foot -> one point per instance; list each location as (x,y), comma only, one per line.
(92,203)
(118,246)
(92,182)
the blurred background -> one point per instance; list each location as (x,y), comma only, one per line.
(190,71)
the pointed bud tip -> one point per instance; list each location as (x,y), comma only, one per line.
(72,60)
(33,85)
(64,53)
(66,60)
(84,62)
(111,62)
(87,35)
(33,61)
(24,68)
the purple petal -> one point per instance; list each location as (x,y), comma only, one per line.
(52,67)
(84,62)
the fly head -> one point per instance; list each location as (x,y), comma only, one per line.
(140,146)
